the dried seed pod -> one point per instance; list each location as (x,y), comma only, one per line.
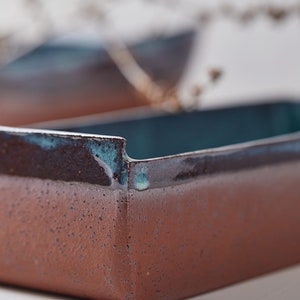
(215,74)
(197,90)
(277,13)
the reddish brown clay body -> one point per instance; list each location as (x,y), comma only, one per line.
(164,228)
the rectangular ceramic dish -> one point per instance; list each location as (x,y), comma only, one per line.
(213,199)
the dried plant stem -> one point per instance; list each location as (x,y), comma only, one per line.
(213,76)
(152,93)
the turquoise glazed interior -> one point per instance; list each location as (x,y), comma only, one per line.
(158,136)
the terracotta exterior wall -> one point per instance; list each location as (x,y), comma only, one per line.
(214,231)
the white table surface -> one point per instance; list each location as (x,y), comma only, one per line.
(280,285)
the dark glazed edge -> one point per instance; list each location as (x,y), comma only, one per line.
(102,160)
(63,156)
(178,169)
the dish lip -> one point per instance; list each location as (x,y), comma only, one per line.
(279,139)
(58,133)
(185,167)
(216,150)
(64,156)
(141,174)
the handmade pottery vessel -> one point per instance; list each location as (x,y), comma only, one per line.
(57,81)
(213,199)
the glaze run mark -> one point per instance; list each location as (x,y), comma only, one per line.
(59,157)
(112,157)
(141,180)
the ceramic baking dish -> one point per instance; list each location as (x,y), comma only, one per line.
(212,199)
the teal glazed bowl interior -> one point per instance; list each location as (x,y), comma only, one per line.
(162,135)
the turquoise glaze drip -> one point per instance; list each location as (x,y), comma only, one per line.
(141,180)
(106,151)
(109,153)
(112,155)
